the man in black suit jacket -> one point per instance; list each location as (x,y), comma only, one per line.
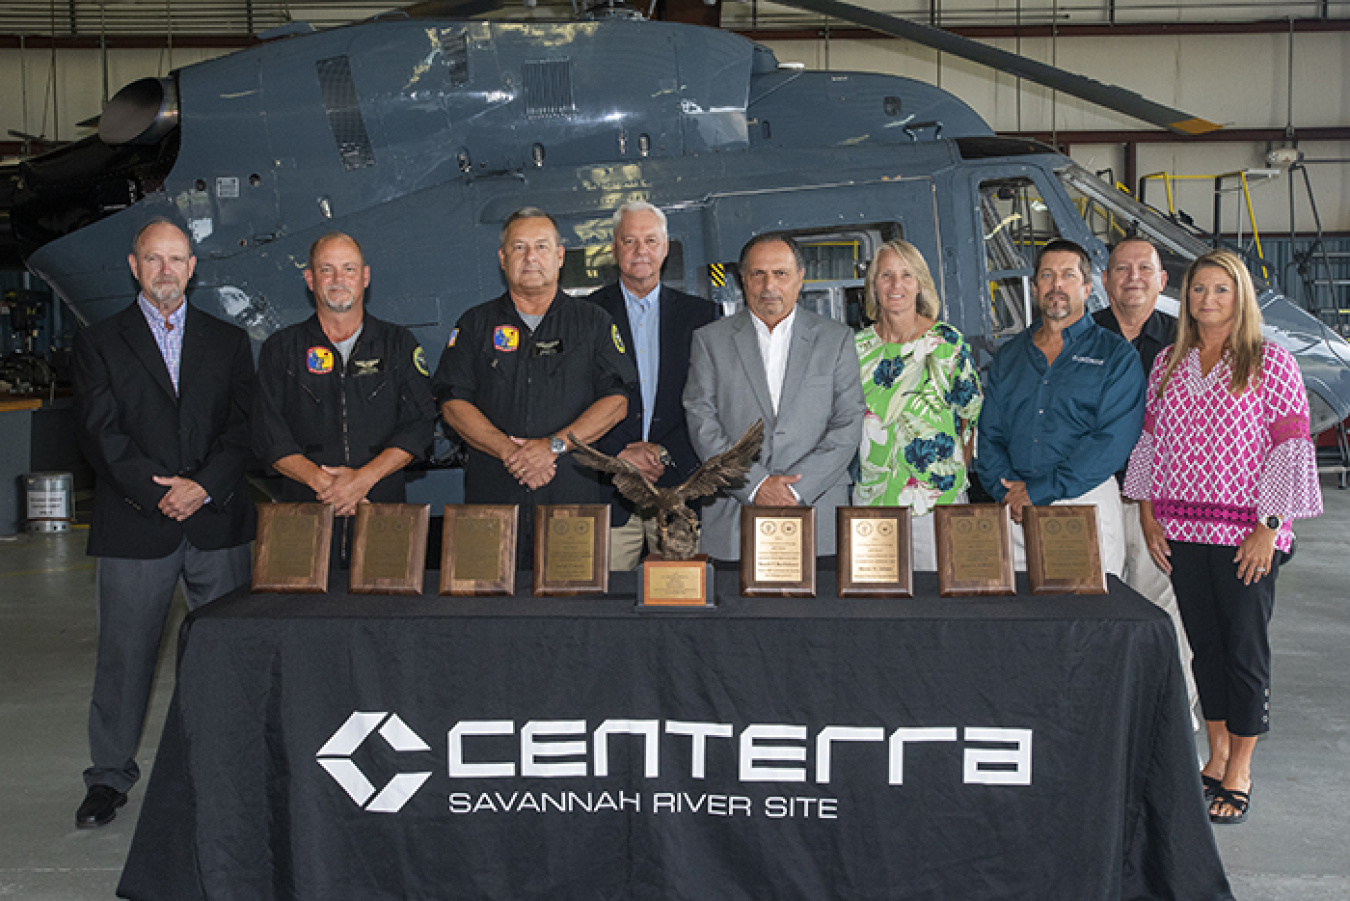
(657,322)
(162,396)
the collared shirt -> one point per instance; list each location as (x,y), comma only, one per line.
(309,401)
(533,385)
(1062,428)
(773,350)
(1157,334)
(168,334)
(1213,464)
(644,318)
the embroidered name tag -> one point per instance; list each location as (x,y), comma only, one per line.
(1078,359)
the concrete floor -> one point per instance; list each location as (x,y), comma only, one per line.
(1293,848)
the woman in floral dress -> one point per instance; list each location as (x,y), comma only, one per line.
(923,397)
(1224,464)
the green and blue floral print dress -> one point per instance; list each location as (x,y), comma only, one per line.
(923,399)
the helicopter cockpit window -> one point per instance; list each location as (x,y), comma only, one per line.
(1016,223)
(586,269)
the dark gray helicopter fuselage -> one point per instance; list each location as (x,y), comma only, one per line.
(419,138)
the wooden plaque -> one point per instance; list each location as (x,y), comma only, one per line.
(1063,556)
(478,550)
(571,549)
(874,553)
(389,548)
(676,583)
(293,547)
(778,552)
(974,550)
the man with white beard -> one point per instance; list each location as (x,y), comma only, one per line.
(344,399)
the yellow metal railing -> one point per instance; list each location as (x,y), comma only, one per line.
(1244,186)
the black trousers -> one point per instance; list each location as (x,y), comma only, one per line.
(1227,623)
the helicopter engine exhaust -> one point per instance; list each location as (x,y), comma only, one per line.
(141,113)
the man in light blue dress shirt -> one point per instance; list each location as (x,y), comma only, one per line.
(658,322)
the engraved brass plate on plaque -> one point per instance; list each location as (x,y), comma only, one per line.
(292,550)
(389,548)
(974,550)
(478,550)
(1063,556)
(778,552)
(676,583)
(571,549)
(874,552)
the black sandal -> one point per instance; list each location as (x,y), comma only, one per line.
(1235,799)
(1212,787)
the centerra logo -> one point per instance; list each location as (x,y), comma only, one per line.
(763,752)
(335,757)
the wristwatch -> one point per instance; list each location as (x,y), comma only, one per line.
(557,445)
(1273,522)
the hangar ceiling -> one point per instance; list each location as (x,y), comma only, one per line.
(242,18)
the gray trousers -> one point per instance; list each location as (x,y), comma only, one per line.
(133,598)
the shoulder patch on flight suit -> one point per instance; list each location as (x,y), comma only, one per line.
(618,342)
(420,361)
(319,360)
(506,338)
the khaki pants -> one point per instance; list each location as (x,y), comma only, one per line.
(627,541)
(1143,575)
(1110,527)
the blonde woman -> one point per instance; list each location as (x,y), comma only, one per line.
(923,397)
(1224,464)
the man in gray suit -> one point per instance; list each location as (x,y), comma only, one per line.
(795,370)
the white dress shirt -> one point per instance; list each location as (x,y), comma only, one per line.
(773,351)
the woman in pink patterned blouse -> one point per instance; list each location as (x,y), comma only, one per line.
(1225,461)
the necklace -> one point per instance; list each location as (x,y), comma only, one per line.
(914,333)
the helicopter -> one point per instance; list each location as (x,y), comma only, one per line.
(419,137)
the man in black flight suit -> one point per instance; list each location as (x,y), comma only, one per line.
(521,372)
(344,400)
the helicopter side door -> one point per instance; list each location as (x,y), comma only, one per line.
(1019,209)
(839,227)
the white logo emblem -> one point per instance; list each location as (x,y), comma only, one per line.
(335,757)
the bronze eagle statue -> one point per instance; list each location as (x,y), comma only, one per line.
(676,524)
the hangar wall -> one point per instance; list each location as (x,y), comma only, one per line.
(1239,81)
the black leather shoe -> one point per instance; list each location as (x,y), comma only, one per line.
(99,807)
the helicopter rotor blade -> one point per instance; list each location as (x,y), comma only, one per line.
(1109,96)
(451,9)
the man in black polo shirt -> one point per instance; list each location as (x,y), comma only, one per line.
(521,372)
(344,399)
(1133,280)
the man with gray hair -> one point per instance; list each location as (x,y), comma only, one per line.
(657,323)
(521,373)
(796,371)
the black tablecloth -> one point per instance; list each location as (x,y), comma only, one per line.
(339,746)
